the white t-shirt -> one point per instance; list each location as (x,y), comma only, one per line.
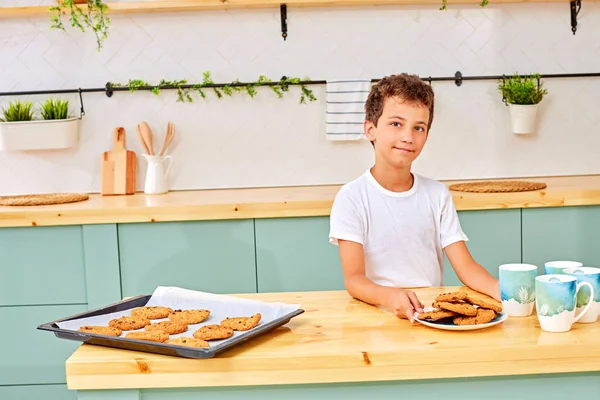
(403,233)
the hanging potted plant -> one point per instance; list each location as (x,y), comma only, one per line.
(56,129)
(522,95)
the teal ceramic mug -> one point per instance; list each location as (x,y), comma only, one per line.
(557,267)
(592,276)
(517,288)
(555,300)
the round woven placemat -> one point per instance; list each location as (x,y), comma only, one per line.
(497,186)
(42,199)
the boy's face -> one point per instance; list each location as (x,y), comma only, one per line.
(400,133)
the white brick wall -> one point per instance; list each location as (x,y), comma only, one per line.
(265,141)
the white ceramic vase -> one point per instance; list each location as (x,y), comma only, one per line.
(523,118)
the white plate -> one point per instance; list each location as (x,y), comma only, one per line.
(448,325)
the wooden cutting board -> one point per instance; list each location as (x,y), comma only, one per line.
(118,167)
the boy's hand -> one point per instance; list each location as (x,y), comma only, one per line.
(404,303)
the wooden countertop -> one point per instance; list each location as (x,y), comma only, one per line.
(272,202)
(339,339)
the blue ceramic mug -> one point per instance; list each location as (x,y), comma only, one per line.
(591,275)
(555,301)
(557,267)
(517,288)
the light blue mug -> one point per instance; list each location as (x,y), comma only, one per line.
(557,267)
(555,300)
(592,276)
(517,288)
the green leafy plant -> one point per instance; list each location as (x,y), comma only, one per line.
(55,109)
(94,17)
(184,89)
(522,90)
(17,110)
(445,4)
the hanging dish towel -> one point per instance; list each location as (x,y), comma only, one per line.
(346,108)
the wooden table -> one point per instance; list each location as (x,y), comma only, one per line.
(343,347)
(301,201)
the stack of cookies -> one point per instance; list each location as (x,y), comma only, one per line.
(463,308)
(178,322)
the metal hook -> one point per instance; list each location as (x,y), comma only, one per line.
(283,10)
(429,81)
(82,111)
(503,96)
(108,89)
(458,78)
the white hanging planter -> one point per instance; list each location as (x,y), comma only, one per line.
(39,134)
(523,118)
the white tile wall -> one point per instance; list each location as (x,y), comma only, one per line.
(265,141)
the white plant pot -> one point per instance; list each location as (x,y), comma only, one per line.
(39,134)
(523,118)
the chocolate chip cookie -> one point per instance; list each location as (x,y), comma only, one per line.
(157,336)
(152,312)
(213,332)
(436,315)
(241,323)
(459,308)
(452,297)
(170,327)
(189,316)
(485,302)
(128,323)
(101,330)
(483,316)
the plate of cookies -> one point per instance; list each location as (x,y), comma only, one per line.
(462,311)
(175,321)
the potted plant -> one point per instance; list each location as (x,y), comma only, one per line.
(522,95)
(20,130)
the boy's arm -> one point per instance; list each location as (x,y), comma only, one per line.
(400,301)
(470,272)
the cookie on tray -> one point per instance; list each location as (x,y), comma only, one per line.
(436,315)
(213,332)
(241,323)
(128,323)
(157,336)
(459,308)
(101,330)
(170,327)
(189,342)
(452,297)
(190,317)
(483,316)
(484,302)
(152,312)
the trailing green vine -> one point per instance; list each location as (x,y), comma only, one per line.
(184,89)
(94,17)
(445,4)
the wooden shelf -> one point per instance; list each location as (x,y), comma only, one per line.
(195,5)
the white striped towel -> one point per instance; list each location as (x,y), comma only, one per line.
(346,108)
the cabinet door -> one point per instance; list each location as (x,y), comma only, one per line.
(34,392)
(294,254)
(31,356)
(494,239)
(561,233)
(210,256)
(41,265)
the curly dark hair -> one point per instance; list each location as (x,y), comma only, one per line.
(409,87)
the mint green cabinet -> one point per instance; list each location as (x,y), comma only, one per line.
(211,256)
(494,239)
(31,356)
(294,254)
(561,233)
(37,392)
(41,265)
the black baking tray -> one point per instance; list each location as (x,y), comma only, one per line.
(154,347)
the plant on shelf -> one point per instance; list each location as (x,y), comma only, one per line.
(184,89)
(445,4)
(92,16)
(52,129)
(55,109)
(522,94)
(17,111)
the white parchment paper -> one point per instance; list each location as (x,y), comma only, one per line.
(220,306)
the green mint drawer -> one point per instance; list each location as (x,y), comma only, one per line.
(37,392)
(210,256)
(294,254)
(31,356)
(41,265)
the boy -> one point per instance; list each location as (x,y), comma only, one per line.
(393,226)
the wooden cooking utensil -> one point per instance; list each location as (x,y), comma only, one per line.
(141,137)
(147,136)
(118,167)
(168,137)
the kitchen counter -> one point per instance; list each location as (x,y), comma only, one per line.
(341,340)
(273,202)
